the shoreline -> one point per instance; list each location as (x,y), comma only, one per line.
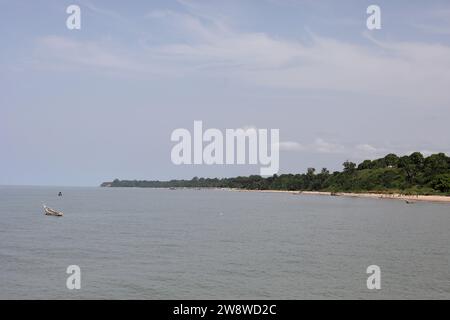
(370,195)
(384,196)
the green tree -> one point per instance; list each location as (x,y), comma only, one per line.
(366,164)
(441,183)
(436,164)
(391,160)
(349,167)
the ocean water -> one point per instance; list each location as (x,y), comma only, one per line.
(213,244)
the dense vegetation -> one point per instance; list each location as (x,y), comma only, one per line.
(413,174)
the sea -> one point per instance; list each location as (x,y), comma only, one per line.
(132,243)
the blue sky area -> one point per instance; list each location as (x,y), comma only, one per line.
(78,107)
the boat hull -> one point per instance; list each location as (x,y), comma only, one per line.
(51,212)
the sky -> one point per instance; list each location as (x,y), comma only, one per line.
(79,107)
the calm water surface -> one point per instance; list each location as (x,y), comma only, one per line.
(206,244)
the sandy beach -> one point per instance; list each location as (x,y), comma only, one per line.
(393,196)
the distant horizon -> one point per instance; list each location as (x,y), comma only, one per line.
(169,179)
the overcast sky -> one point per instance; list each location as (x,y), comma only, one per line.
(78,107)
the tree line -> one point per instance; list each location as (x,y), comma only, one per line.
(409,174)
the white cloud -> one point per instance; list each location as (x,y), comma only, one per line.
(410,70)
(249,127)
(323,146)
(196,28)
(318,146)
(70,53)
(103,11)
(366,148)
(290,146)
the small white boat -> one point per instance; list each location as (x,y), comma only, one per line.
(50,212)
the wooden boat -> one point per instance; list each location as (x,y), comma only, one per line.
(50,212)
